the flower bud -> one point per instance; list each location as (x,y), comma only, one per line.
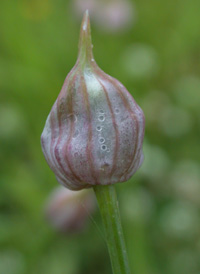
(68,211)
(94,132)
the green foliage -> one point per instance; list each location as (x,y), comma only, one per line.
(157,59)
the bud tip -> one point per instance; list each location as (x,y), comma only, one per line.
(85,43)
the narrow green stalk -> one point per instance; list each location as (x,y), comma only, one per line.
(108,206)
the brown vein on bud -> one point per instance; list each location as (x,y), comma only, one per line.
(90,135)
(71,132)
(58,163)
(126,102)
(53,138)
(56,151)
(132,114)
(115,129)
(139,149)
(69,109)
(105,77)
(50,162)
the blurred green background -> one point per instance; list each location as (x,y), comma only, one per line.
(157,58)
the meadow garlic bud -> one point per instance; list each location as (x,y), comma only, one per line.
(94,132)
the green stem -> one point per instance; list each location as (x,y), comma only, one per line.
(108,206)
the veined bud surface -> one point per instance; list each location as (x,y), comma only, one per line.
(94,132)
